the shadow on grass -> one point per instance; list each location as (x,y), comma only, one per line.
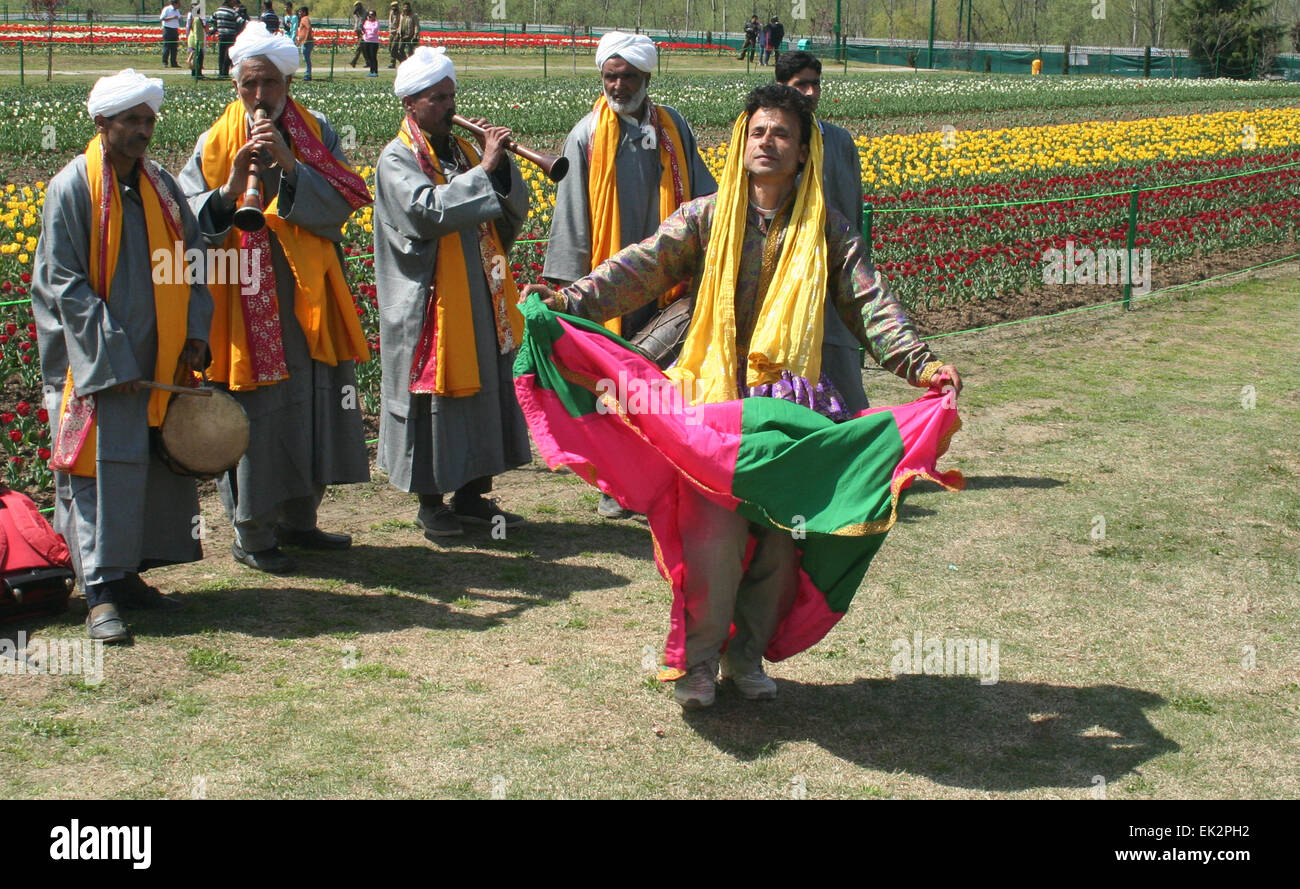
(411,586)
(908,512)
(1000,482)
(1004,737)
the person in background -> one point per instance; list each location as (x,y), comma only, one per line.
(410,30)
(775,34)
(763,51)
(842,187)
(289,21)
(395,51)
(225,21)
(171,29)
(305,39)
(370,42)
(196,34)
(269,18)
(358,22)
(751,38)
(632,162)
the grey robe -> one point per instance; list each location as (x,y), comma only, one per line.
(430,444)
(637,172)
(305,431)
(135,513)
(842,183)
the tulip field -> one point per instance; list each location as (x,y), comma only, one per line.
(959,218)
(83,38)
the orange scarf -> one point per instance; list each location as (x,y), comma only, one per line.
(76,448)
(602,182)
(322,300)
(447,336)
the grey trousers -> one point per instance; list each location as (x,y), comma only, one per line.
(754,599)
(257,534)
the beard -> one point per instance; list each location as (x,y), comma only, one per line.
(272,112)
(630,105)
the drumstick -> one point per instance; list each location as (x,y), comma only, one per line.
(179,390)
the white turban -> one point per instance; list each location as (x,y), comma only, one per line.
(112,95)
(637,50)
(425,67)
(255,40)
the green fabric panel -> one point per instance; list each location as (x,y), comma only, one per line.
(836,565)
(793,462)
(542,329)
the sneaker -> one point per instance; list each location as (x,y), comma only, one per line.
(699,686)
(753,684)
(440,523)
(482,511)
(609,508)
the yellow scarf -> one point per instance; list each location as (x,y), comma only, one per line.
(448,334)
(788,334)
(171,301)
(602,183)
(322,301)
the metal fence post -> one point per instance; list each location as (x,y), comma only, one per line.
(543,61)
(333,49)
(1132,239)
(21,79)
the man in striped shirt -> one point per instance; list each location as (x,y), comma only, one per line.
(225,21)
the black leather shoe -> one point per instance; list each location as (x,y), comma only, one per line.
(313,539)
(132,592)
(105,624)
(272,561)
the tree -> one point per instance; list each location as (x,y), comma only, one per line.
(50,11)
(1230,37)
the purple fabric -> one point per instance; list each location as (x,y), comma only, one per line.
(823,398)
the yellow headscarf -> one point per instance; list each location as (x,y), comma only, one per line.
(788,333)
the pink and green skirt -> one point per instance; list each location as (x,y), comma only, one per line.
(597,406)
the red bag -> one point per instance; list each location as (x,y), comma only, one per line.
(35,565)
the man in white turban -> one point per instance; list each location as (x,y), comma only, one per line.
(286,341)
(446,213)
(631,163)
(255,41)
(107,326)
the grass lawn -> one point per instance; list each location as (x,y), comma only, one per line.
(1153,655)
